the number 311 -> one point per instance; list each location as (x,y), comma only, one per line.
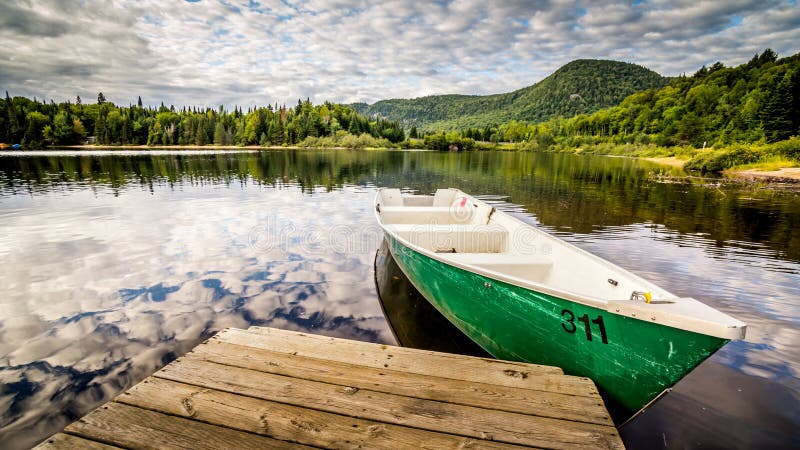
(570,327)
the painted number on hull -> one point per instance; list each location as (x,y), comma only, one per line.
(570,327)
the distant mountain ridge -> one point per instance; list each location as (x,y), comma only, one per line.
(581,86)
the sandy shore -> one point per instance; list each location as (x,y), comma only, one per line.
(788,174)
(784,175)
(668,160)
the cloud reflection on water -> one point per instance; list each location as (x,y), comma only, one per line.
(103,290)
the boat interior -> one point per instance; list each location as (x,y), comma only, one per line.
(468,232)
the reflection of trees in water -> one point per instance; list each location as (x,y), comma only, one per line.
(576,193)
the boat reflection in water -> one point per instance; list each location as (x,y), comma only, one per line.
(413,320)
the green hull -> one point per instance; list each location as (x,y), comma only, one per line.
(631,360)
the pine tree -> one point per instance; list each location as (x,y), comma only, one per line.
(767,57)
(219,134)
(100,129)
(14,130)
(200,136)
(795,111)
(777,110)
(276,136)
(354,128)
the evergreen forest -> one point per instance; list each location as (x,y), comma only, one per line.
(35,124)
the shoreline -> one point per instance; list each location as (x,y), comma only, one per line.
(666,160)
(173,147)
(782,175)
(180,148)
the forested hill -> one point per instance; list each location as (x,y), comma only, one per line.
(718,106)
(582,86)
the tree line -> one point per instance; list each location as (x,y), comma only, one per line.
(36,124)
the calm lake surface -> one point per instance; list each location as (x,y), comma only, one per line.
(112,265)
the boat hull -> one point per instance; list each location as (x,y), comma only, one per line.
(632,361)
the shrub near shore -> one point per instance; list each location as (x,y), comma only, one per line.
(768,156)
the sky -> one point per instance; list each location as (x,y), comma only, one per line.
(247,53)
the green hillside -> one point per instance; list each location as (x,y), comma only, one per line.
(718,105)
(722,117)
(582,86)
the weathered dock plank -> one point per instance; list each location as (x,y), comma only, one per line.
(552,398)
(409,411)
(130,427)
(282,421)
(460,367)
(272,388)
(62,440)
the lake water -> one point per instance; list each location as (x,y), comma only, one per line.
(112,265)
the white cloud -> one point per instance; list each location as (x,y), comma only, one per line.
(240,52)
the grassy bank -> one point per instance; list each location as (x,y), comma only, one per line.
(736,157)
(748,156)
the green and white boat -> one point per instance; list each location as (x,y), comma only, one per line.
(522,294)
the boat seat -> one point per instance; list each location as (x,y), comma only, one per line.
(528,267)
(391,197)
(418,200)
(454,214)
(453,238)
(443,197)
(418,215)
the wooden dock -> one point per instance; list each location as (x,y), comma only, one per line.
(270,388)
